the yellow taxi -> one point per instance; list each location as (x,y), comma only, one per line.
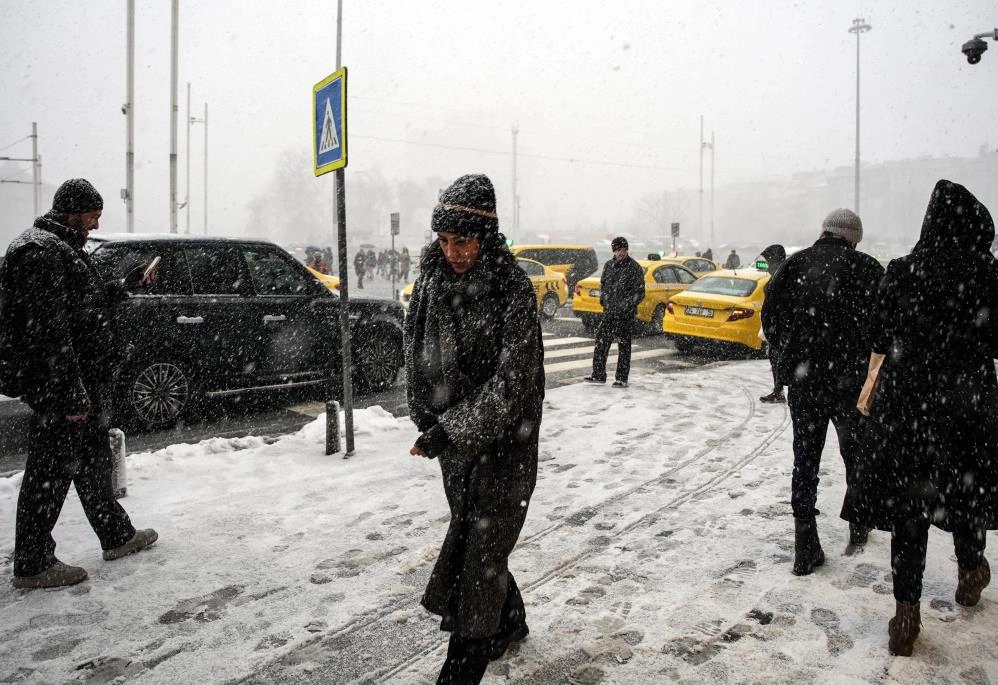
(722,306)
(405,295)
(697,265)
(331,282)
(550,286)
(663,279)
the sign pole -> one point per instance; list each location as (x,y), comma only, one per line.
(341,236)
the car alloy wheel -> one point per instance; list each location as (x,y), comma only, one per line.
(378,362)
(549,306)
(158,393)
(657,319)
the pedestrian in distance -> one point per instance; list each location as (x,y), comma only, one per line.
(817,317)
(733,261)
(404,261)
(57,353)
(708,254)
(930,454)
(359,266)
(475,388)
(622,287)
(774,256)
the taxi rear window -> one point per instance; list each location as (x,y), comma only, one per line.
(722,285)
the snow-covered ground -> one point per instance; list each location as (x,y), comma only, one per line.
(657,549)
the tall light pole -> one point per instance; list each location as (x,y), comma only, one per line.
(516,199)
(174,29)
(128,110)
(858,26)
(195,120)
(700,219)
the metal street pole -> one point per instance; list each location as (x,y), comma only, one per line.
(187,158)
(516,203)
(711,186)
(206,168)
(858,26)
(130,122)
(36,168)
(700,220)
(174,29)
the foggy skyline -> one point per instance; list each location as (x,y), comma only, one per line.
(608,103)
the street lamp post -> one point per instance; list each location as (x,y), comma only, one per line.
(858,26)
(196,120)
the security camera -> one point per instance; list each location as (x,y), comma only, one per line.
(973,49)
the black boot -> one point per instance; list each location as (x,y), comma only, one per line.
(808,554)
(858,534)
(467,659)
(513,624)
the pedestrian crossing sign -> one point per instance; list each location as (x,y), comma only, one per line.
(329,122)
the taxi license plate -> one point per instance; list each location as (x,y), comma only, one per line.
(700,311)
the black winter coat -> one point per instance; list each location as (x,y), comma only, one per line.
(57,330)
(930,444)
(475,366)
(622,287)
(817,316)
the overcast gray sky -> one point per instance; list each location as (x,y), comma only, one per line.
(608,97)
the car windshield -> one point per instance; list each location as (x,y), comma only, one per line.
(724,285)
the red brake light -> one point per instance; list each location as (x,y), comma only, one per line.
(668,306)
(739,313)
(578,289)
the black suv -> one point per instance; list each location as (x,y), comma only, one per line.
(227,316)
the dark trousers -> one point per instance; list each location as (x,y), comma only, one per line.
(777,386)
(63,452)
(909,542)
(811,408)
(613,328)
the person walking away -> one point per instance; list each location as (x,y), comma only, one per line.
(708,254)
(733,261)
(930,454)
(774,256)
(58,353)
(404,260)
(622,287)
(359,262)
(475,372)
(817,319)
(370,263)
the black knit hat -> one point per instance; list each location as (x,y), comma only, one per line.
(620,242)
(467,207)
(77,196)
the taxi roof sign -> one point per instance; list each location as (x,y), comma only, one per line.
(329,122)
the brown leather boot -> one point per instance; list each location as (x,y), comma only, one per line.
(903,629)
(970,583)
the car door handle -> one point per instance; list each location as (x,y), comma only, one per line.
(267,318)
(190,319)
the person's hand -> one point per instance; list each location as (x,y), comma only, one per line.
(416,452)
(76,418)
(149,275)
(431,443)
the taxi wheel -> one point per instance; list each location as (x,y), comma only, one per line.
(684,345)
(657,317)
(549,306)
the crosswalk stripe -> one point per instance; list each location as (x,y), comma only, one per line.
(566,341)
(585,349)
(583,363)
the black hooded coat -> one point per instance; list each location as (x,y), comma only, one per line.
(58,345)
(931,440)
(475,366)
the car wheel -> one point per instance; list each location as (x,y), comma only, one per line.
(377,362)
(154,394)
(549,306)
(684,345)
(657,318)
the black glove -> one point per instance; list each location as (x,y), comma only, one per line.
(434,441)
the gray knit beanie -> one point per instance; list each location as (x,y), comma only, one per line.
(845,224)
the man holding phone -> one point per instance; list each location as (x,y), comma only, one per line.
(57,353)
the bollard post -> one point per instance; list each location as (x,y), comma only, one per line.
(332,427)
(116,438)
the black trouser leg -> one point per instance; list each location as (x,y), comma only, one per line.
(61,452)
(846,419)
(604,336)
(514,614)
(623,334)
(810,422)
(969,544)
(909,541)
(777,386)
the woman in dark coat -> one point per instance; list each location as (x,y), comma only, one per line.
(475,385)
(931,437)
